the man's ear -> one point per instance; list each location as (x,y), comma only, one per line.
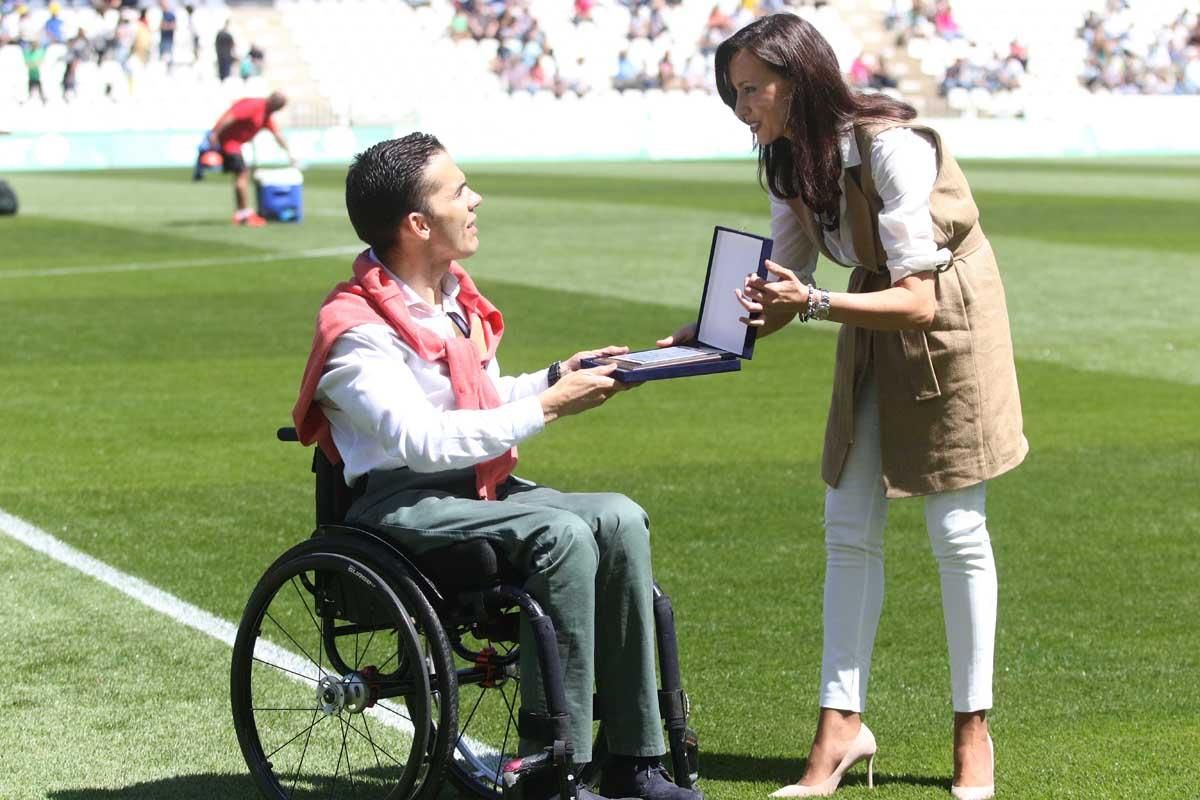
(417,224)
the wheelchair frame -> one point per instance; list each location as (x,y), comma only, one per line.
(361,583)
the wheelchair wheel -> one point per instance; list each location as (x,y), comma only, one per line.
(489,697)
(363,718)
(489,689)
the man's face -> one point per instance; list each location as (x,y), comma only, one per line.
(452,205)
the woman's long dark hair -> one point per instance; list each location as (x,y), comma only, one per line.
(808,163)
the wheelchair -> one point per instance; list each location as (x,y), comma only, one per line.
(362,671)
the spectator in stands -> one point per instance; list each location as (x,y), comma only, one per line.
(697,74)
(251,65)
(53,30)
(123,40)
(35,54)
(166,33)
(10,25)
(944,22)
(78,51)
(460,25)
(956,77)
(573,77)
(583,11)
(1020,52)
(860,72)
(717,29)
(224,46)
(28,31)
(917,22)
(193,31)
(628,75)
(142,39)
(236,127)
(868,72)
(646,20)
(1191,72)
(667,77)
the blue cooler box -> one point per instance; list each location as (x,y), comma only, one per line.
(279,194)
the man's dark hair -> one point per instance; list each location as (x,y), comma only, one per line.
(386,183)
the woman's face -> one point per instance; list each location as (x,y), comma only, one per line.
(763,96)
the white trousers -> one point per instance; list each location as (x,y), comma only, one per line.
(855,516)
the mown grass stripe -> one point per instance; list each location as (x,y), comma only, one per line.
(165,603)
(181,611)
(144,266)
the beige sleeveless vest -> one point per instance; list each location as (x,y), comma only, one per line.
(950,412)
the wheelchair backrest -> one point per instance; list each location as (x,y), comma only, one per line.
(333,496)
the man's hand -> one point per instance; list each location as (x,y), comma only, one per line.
(580,390)
(572,363)
(682,336)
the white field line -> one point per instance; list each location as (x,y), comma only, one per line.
(165,603)
(191,263)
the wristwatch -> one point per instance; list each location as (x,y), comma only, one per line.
(554,373)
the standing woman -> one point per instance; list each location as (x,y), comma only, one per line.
(925,399)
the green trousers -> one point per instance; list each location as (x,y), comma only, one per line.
(588,561)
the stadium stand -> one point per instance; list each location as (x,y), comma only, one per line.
(1137,50)
(379,62)
(107,72)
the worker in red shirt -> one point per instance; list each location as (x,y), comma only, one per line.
(237,126)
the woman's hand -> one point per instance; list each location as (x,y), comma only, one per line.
(682,336)
(579,391)
(784,296)
(572,363)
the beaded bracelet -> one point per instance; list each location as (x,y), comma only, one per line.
(806,313)
(822,310)
(817,306)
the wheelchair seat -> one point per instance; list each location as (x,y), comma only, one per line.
(469,566)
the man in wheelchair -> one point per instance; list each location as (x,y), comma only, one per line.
(403,387)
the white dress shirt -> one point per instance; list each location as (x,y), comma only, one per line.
(904,167)
(389,408)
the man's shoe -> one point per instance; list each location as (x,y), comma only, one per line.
(545,786)
(646,778)
(250,220)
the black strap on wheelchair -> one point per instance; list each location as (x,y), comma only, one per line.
(543,728)
(674,708)
(672,700)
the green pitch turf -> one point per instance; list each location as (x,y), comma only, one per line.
(150,350)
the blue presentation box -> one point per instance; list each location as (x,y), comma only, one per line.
(722,339)
(725,362)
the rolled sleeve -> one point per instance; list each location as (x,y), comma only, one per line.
(792,248)
(904,168)
(518,387)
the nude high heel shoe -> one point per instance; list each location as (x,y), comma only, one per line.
(978,792)
(863,747)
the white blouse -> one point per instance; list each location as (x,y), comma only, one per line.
(904,167)
(388,408)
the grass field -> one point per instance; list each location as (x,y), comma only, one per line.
(151,349)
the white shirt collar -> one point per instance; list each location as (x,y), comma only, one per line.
(450,287)
(849,147)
